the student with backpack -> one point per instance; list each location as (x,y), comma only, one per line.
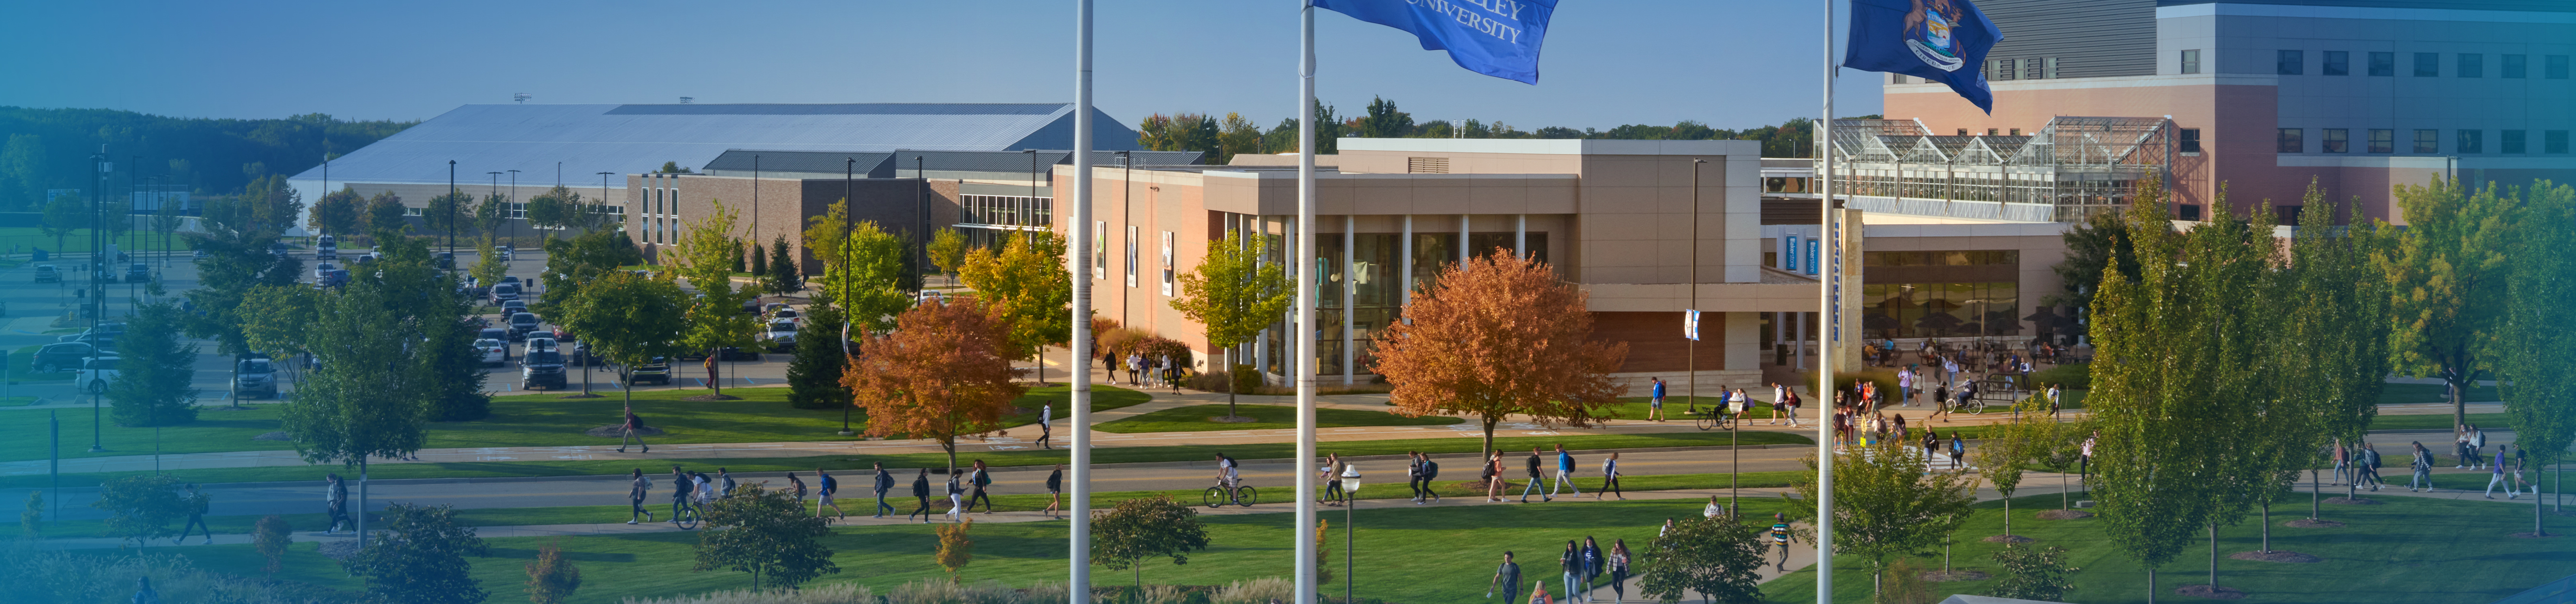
(643,486)
(1430,472)
(885,482)
(831,487)
(1609,477)
(981,478)
(921,491)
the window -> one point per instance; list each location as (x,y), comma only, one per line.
(2290,140)
(2383,64)
(2383,140)
(2336,63)
(1895,78)
(2003,69)
(2191,61)
(2510,141)
(2016,132)
(2513,66)
(2292,62)
(2553,141)
(2337,140)
(2190,140)
(2473,65)
(2052,67)
(2034,69)
(2190,212)
(1963,132)
(2472,141)
(2428,141)
(1989,132)
(2553,67)
(1426,165)
(2428,64)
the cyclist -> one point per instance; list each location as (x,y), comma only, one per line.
(1227,478)
(679,493)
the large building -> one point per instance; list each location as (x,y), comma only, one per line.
(2259,97)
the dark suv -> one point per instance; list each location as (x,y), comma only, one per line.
(521,324)
(542,370)
(138,273)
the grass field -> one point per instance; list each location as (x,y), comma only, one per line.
(2491,421)
(27,238)
(1265,417)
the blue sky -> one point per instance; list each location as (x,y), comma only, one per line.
(1731,63)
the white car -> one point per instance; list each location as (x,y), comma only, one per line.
(495,352)
(96,374)
(542,344)
(780,334)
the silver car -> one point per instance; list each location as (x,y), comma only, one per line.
(255,378)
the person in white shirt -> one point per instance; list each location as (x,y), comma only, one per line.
(1046,426)
(1905,388)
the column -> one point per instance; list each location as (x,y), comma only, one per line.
(1462,242)
(1261,343)
(1520,235)
(1798,342)
(1407,262)
(1350,232)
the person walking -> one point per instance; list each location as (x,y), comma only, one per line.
(1564,473)
(1430,472)
(1714,508)
(1413,476)
(639,488)
(634,432)
(2460,448)
(2370,465)
(1780,540)
(1793,402)
(921,491)
(1494,478)
(1055,492)
(704,490)
(679,493)
(1619,571)
(823,498)
(2084,458)
(196,501)
(1655,401)
(1534,478)
(2478,445)
(956,495)
(1958,452)
(884,483)
(1046,426)
(2342,463)
(797,485)
(335,494)
(1905,388)
(2055,402)
(2497,475)
(1332,481)
(982,479)
(1571,562)
(1610,477)
(2423,467)
(1931,444)
(725,479)
(1594,563)
(1508,578)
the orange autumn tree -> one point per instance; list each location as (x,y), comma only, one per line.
(1502,337)
(939,374)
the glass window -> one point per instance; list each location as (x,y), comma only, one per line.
(2510,141)
(2292,62)
(2336,63)
(2034,69)
(2554,141)
(2428,141)
(2554,67)
(2052,67)
(2383,140)
(2512,66)
(2383,64)
(2191,61)
(2472,141)
(2337,140)
(2428,64)
(2290,140)
(1915,310)
(2003,69)
(2190,140)
(2473,65)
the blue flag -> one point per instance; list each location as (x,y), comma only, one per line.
(1498,38)
(1939,40)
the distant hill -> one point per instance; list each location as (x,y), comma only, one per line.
(49,149)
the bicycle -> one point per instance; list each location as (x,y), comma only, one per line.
(1217,496)
(1713,419)
(686,516)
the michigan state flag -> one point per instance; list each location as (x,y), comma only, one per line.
(1939,40)
(1498,38)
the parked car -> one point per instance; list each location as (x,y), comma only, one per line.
(785,314)
(280,249)
(507,253)
(254,378)
(198,255)
(521,324)
(504,292)
(580,354)
(541,371)
(781,335)
(657,371)
(512,307)
(493,333)
(323,270)
(138,272)
(96,374)
(537,342)
(62,357)
(773,307)
(446,260)
(495,352)
(46,273)
(512,279)
(334,278)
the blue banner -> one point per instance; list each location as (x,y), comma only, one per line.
(1939,40)
(1498,38)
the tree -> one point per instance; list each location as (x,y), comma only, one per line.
(420,558)
(268,204)
(708,256)
(939,375)
(814,375)
(759,268)
(1029,289)
(64,215)
(1501,337)
(155,371)
(2447,270)
(628,320)
(270,537)
(1236,135)
(1145,527)
(2335,345)
(672,167)
(2033,573)
(1235,295)
(31,521)
(1886,504)
(955,549)
(552,578)
(862,266)
(2012,446)
(385,212)
(338,213)
(450,215)
(2535,343)
(488,268)
(1718,558)
(782,277)
(141,507)
(2093,248)
(237,260)
(561,208)
(1384,121)
(763,531)
(372,395)
(948,251)
(22,171)
(580,260)
(489,215)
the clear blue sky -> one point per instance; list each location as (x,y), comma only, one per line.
(1730,63)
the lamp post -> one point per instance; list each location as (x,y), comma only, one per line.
(849,170)
(451,211)
(921,237)
(1127,216)
(509,207)
(98,168)
(1350,500)
(499,213)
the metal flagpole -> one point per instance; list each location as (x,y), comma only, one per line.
(1078,350)
(1825,331)
(1303,333)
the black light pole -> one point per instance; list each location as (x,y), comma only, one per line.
(507,208)
(98,179)
(921,235)
(1127,215)
(1033,185)
(849,168)
(755,205)
(451,210)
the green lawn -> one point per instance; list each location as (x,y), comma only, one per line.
(1266,417)
(530,420)
(27,238)
(2431,393)
(22,367)
(916,460)
(2439,421)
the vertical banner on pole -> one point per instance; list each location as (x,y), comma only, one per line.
(1814,248)
(1789,253)
(1690,325)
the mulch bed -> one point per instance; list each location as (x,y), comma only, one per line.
(2352,501)
(2277,556)
(2211,592)
(2009,539)
(1232,419)
(2312,523)
(1955,575)
(275,435)
(619,431)
(2064,515)
(2533,535)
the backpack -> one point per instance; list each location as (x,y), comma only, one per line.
(1430,469)
(983,478)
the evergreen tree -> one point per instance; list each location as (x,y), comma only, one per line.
(814,376)
(155,371)
(782,276)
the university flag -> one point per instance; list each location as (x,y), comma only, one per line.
(1498,38)
(1939,40)
(1690,324)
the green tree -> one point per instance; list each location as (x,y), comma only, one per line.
(672,167)
(338,213)
(155,370)
(373,395)
(2093,247)
(2033,573)
(31,521)
(2334,346)
(764,532)
(420,559)
(580,260)
(450,215)
(1236,135)
(237,260)
(1145,527)
(1887,504)
(270,537)
(1235,295)
(2447,270)
(707,256)
(552,578)
(385,212)
(1329,128)
(141,507)
(759,268)
(22,171)
(862,266)
(1718,558)
(488,267)
(2536,343)
(64,215)
(782,276)
(268,204)
(488,215)
(1384,121)
(814,376)
(1028,287)
(948,251)
(560,208)
(628,320)
(2009,448)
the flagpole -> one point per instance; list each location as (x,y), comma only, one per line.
(1302,335)
(1825,331)
(1078,351)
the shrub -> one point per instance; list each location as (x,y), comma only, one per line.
(2033,573)
(552,578)
(955,549)
(838,593)
(270,537)
(1257,591)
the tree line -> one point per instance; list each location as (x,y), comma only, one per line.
(44,149)
(1221,138)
